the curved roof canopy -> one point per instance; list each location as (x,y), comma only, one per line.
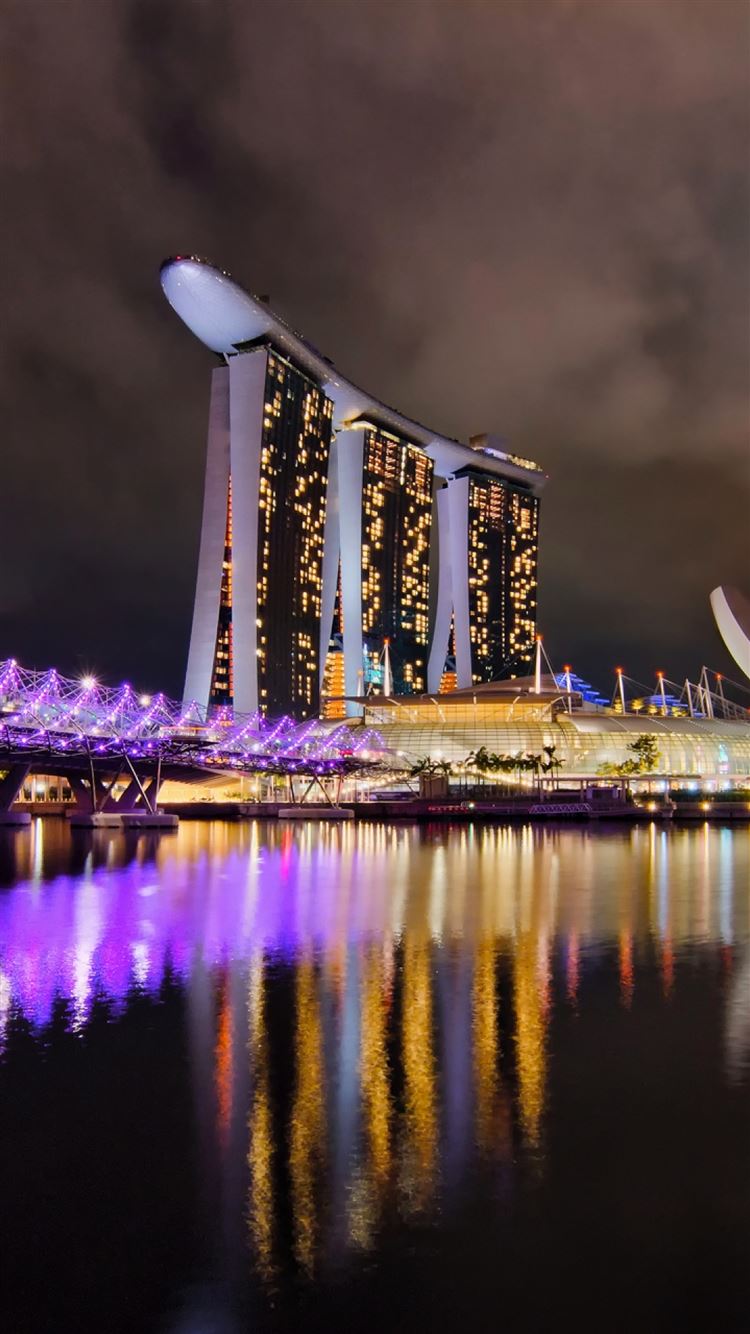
(226,318)
(732,613)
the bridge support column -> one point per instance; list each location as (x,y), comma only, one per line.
(138,805)
(82,794)
(147,816)
(144,792)
(126,800)
(10,786)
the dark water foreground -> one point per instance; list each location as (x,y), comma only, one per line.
(319,1078)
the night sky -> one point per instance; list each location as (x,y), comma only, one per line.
(524,217)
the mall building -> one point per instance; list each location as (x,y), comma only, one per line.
(345,549)
(525,716)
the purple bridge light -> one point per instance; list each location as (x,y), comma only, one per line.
(46,715)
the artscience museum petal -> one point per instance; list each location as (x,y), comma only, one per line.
(732,613)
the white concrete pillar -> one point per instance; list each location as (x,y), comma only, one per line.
(247,385)
(213,530)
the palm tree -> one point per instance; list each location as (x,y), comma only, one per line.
(534,765)
(552,764)
(428,768)
(421,768)
(481,760)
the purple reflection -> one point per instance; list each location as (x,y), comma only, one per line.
(109,930)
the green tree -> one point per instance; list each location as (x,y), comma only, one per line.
(644,760)
(646,753)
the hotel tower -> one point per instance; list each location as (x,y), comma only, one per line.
(345,549)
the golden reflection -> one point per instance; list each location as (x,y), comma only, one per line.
(572,968)
(308,1117)
(486,1044)
(378,1113)
(361,1213)
(260,1155)
(334,966)
(376,1094)
(224,1064)
(420,1115)
(626,967)
(667,967)
(373,1171)
(530,1034)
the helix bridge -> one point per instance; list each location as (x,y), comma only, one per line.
(50,723)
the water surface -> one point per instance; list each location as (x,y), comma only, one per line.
(267,1078)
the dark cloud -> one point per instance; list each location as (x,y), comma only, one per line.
(528,218)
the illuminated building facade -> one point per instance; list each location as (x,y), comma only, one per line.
(333,685)
(396,517)
(384,498)
(338,534)
(221,692)
(291,521)
(485,570)
(502,547)
(522,548)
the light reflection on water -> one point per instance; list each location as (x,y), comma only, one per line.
(370,1009)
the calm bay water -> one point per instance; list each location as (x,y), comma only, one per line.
(257,1078)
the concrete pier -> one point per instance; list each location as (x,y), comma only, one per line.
(309,812)
(13,818)
(123,820)
(95,820)
(149,820)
